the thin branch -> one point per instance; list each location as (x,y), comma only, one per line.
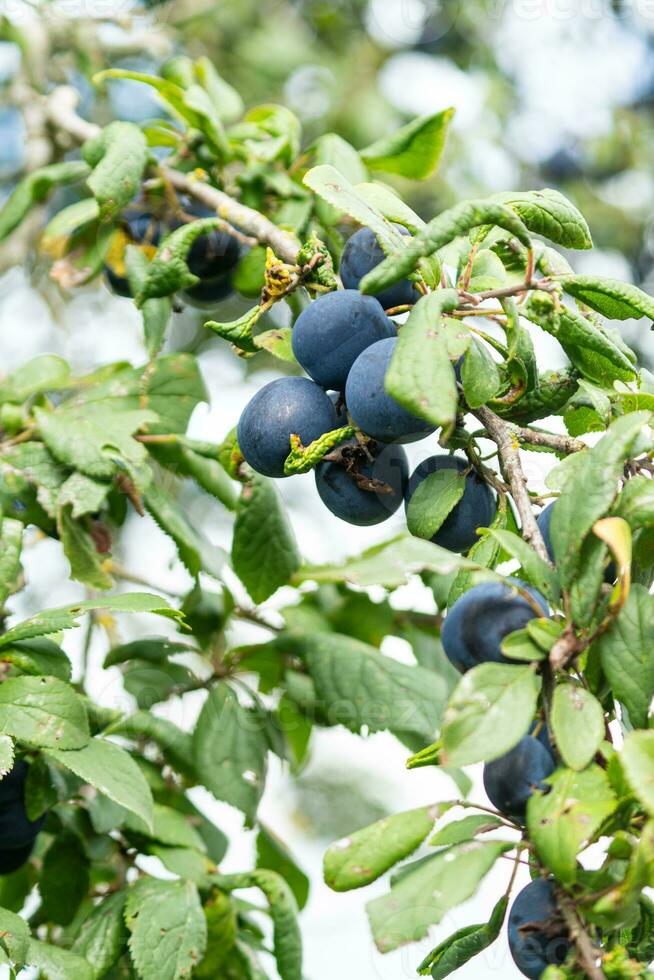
(61,111)
(550,440)
(589,956)
(509,453)
(516,290)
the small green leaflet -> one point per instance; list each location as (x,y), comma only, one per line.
(421,897)
(636,502)
(382,198)
(363,856)
(118,155)
(462,945)
(420,376)
(46,372)
(14,937)
(548,213)
(6,754)
(65,617)
(337,190)
(43,712)
(102,937)
(389,564)
(230,750)
(562,821)
(534,569)
(577,725)
(168,271)
(442,230)
(112,771)
(465,829)
(637,759)
(627,656)
(488,713)
(274,855)
(11,542)
(57,963)
(264,550)
(336,152)
(614,299)
(480,375)
(155,312)
(35,187)
(167,926)
(433,500)
(414,150)
(81,552)
(38,656)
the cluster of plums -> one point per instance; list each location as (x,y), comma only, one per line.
(212,257)
(344,341)
(17,831)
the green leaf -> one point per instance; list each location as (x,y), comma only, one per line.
(577,725)
(534,569)
(65,878)
(81,552)
(464,944)
(485,552)
(337,190)
(465,829)
(59,230)
(102,937)
(113,772)
(273,855)
(155,312)
(198,101)
(33,462)
(168,827)
(264,550)
(57,963)
(414,150)
(65,617)
(566,818)
(155,650)
(637,758)
(172,95)
(46,372)
(363,856)
(442,230)
(389,564)
(433,500)
(35,187)
(636,502)
(420,376)
(627,656)
(176,744)
(332,149)
(577,333)
(168,271)
(358,686)
(479,374)
(6,754)
(118,155)
(230,749)
(38,656)
(226,100)
(168,930)
(195,551)
(43,712)
(14,936)
(548,213)
(591,491)
(94,440)
(422,897)
(521,646)
(610,297)
(83,493)
(490,710)
(11,542)
(287,938)
(220,912)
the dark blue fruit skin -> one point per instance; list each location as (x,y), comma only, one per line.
(208,292)
(480,619)
(375,412)
(331,332)
(510,780)
(13,858)
(341,495)
(544,520)
(16,831)
(279,409)
(537,935)
(117,284)
(212,255)
(142,228)
(476,508)
(340,407)
(362,253)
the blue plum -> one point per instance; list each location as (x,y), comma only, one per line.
(510,780)
(538,936)
(16,829)
(480,619)
(362,491)
(374,411)
(476,508)
(544,521)
(210,255)
(338,402)
(331,332)
(362,253)
(208,292)
(13,858)
(280,409)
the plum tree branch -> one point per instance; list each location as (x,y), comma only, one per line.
(509,453)
(549,440)
(589,957)
(61,111)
